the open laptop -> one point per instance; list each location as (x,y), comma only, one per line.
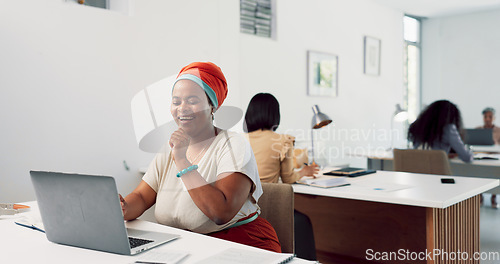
(84,211)
(479,136)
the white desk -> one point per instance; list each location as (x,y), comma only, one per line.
(490,149)
(423,190)
(23,245)
(477,168)
(351,219)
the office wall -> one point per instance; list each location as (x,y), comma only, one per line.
(68,74)
(362,111)
(461,61)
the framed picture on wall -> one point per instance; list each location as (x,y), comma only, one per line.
(322,74)
(372,56)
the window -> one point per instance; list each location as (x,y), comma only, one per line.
(411,27)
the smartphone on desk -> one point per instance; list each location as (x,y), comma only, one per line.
(447,180)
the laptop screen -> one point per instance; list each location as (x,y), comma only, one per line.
(479,136)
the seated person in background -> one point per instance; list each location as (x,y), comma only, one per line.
(488,118)
(273,151)
(208,182)
(437,127)
(274,155)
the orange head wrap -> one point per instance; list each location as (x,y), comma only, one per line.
(209,77)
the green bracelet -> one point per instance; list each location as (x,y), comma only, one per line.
(186,170)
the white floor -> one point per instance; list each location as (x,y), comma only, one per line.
(490,231)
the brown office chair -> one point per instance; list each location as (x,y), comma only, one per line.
(422,161)
(276,205)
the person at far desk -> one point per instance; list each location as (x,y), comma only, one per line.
(274,155)
(273,151)
(437,127)
(488,118)
(208,182)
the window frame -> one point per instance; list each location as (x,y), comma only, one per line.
(418,45)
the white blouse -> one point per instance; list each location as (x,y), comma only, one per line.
(229,152)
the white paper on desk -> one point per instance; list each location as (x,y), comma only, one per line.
(324,181)
(303,261)
(31,220)
(245,256)
(163,256)
(485,156)
(380,186)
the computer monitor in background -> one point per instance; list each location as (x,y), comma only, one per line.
(479,136)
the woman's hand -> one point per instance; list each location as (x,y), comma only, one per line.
(309,170)
(179,142)
(124,204)
(138,201)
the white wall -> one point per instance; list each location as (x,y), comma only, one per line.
(364,104)
(68,73)
(461,62)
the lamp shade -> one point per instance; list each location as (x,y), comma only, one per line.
(319,119)
(400,115)
(153,122)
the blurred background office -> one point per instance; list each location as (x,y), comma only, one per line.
(489,117)
(68,73)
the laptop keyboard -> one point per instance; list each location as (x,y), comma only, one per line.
(135,242)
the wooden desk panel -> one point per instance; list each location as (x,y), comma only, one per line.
(349,227)
(454,229)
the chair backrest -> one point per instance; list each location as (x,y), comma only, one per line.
(276,205)
(422,161)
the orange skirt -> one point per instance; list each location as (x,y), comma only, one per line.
(258,233)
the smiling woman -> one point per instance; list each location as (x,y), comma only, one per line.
(191,110)
(208,181)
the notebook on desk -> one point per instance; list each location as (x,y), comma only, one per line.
(484,156)
(349,172)
(84,211)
